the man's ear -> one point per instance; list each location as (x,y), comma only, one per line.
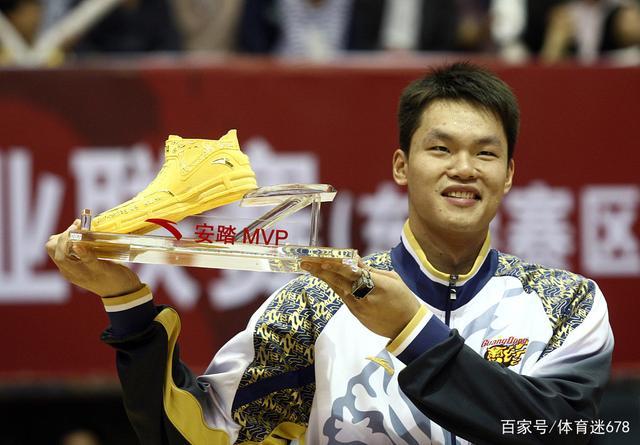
(400,167)
(511,167)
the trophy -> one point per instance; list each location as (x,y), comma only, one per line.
(241,249)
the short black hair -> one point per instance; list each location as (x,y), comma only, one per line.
(460,81)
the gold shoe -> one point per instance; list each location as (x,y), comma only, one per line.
(197,175)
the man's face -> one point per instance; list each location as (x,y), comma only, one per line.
(457,170)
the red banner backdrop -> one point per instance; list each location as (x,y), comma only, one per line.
(89,137)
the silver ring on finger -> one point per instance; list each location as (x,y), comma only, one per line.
(363,285)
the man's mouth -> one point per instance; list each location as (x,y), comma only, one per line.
(459,194)
(462,195)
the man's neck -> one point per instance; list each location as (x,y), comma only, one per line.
(450,253)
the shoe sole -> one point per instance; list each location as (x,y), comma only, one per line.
(225,189)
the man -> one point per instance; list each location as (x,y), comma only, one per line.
(441,340)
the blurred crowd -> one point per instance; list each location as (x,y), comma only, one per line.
(47,32)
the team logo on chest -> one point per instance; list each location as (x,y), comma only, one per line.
(505,351)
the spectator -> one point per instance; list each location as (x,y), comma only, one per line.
(18,27)
(592,27)
(536,25)
(518,27)
(24,16)
(208,25)
(302,28)
(407,25)
(419,25)
(557,29)
(33,35)
(312,27)
(474,25)
(134,26)
(53,11)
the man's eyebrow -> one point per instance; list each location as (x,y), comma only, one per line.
(438,134)
(443,135)
(488,140)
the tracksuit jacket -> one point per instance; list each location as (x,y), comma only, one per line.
(508,343)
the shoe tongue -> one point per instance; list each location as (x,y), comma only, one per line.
(186,149)
(171,146)
(170,152)
(190,152)
(194,151)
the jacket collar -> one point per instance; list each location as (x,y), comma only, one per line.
(432,285)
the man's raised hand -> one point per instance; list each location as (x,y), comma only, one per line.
(80,266)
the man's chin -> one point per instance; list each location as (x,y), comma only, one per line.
(464,226)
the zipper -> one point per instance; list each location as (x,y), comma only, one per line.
(453,295)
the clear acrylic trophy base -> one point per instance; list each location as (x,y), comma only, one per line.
(238,255)
(163,250)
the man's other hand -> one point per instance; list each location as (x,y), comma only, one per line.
(386,310)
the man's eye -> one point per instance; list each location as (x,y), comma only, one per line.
(440,148)
(487,153)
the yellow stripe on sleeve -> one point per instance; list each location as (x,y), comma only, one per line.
(124,302)
(417,319)
(182,408)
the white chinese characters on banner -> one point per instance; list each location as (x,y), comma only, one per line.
(108,176)
(536,222)
(340,221)
(539,228)
(29,218)
(385,212)
(237,288)
(609,246)
(182,288)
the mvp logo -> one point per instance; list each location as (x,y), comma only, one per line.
(267,236)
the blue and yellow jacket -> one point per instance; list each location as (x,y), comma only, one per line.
(508,340)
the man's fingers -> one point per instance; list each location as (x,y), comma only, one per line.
(349,272)
(338,283)
(340,277)
(86,255)
(51,245)
(57,244)
(344,270)
(61,247)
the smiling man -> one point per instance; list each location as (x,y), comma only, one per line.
(457,168)
(480,339)
(441,340)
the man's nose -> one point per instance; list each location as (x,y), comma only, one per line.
(462,166)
